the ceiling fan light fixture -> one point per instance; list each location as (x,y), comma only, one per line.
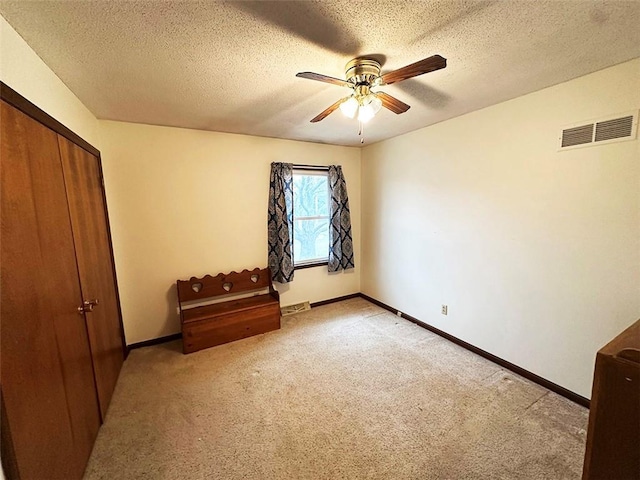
(349,107)
(375,103)
(366,113)
(370,104)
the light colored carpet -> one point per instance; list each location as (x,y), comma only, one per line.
(344,391)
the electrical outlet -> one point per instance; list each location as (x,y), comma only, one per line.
(399,313)
(445,310)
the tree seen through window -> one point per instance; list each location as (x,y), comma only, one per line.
(310,217)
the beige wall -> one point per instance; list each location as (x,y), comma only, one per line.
(187,202)
(27,74)
(535,251)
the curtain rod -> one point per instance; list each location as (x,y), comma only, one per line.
(310,167)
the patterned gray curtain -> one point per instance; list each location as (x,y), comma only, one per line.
(340,240)
(280,222)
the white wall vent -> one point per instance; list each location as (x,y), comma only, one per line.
(577,135)
(616,128)
(295,308)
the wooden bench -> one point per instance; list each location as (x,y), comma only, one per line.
(213,324)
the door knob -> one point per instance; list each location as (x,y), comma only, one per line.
(87,306)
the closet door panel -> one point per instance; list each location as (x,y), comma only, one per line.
(93,252)
(47,381)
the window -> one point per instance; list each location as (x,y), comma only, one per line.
(310,217)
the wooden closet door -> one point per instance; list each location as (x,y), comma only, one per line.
(83,179)
(48,389)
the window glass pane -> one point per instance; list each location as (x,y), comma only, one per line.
(310,240)
(310,195)
(310,217)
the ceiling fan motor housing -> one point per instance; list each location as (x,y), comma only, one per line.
(362,71)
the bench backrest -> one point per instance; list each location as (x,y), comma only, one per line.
(223,284)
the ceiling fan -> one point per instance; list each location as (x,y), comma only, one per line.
(362,75)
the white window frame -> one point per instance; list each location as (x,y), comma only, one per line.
(311,171)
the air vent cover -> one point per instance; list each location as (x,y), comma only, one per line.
(577,135)
(611,129)
(616,128)
(296,308)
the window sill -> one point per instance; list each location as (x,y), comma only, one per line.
(310,265)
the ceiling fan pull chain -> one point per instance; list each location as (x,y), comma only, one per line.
(361,131)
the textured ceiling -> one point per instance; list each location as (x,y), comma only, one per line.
(230,66)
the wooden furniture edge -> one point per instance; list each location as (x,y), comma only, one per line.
(610,363)
(231,318)
(221,274)
(214,286)
(213,312)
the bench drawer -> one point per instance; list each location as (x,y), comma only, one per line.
(207,333)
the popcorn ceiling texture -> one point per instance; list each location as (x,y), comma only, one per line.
(346,390)
(230,66)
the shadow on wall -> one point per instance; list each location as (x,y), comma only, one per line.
(172,320)
(281,288)
(350,271)
(425,94)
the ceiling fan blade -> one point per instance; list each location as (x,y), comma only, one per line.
(392,103)
(324,78)
(427,65)
(328,111)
